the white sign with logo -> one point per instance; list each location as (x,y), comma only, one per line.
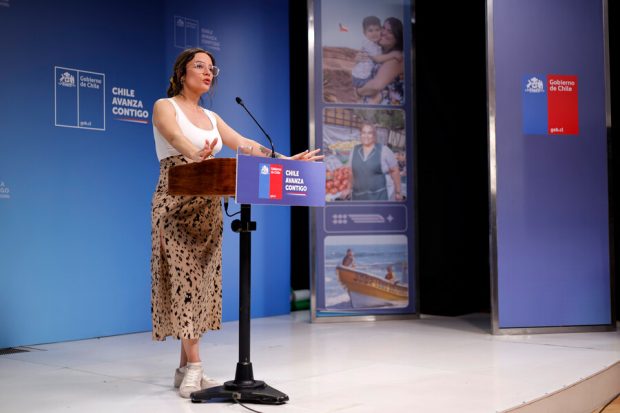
(79,98)
(188,33)
(185,32)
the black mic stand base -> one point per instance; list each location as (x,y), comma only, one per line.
(256,392)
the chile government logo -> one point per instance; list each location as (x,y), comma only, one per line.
(270,181)
(550,105)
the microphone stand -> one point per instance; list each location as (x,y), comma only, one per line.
(240,102)
(243,388)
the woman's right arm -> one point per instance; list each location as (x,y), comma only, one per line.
(234,140)
(164,119)
(385,75)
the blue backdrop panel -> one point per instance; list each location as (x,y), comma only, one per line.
(75,232)
(75,190)
(553,266)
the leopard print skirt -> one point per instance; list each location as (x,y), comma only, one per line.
(186,261)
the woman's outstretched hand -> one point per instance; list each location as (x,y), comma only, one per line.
(307,155)
(205,152)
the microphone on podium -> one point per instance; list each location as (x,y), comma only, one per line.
(240,102)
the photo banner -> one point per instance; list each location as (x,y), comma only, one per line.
(361,114)
(548,105)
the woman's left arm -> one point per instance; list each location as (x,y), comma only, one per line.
(385,75)
(234,140)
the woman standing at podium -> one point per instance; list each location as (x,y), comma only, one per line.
(186,261)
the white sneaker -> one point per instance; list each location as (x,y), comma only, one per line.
(205,383)
(191,381)
(179,373)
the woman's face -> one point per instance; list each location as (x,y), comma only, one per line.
(199,74)
(387,40)
(367,135)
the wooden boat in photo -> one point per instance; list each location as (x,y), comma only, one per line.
(369,291)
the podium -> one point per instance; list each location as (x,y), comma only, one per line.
(219,177)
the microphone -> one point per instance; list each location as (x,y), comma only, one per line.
(240,102)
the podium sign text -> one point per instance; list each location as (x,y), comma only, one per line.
(280,182)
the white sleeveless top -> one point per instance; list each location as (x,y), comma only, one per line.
(196,135)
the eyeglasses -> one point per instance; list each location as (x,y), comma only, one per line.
(202,66)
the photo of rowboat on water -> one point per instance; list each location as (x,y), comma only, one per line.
(366,272)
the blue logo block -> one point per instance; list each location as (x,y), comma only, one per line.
(263,180)
(534,105)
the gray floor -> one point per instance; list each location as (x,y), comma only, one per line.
(435,364)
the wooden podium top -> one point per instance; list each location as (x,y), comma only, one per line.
(216,176)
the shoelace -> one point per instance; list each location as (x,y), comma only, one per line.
(193,377)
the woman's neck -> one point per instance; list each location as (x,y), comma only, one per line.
(189,98)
